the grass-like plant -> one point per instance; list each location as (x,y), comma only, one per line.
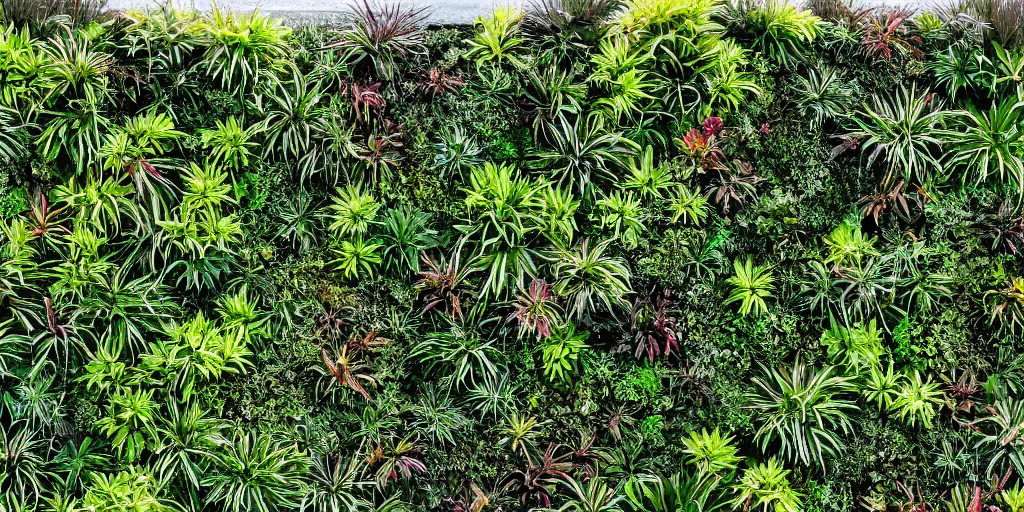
(497,37)
(903,131)
(802,411)
(751,286)
(711,452)
(765,486)
(590,279)
(782,30)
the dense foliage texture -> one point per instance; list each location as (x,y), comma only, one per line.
(597,256)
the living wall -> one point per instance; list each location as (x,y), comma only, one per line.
(651,255)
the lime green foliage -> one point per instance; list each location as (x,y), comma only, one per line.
(357,258)
(848,245)
(765,486)
(682,35)
(503,198)
(353,211)
(881,386)
(520,433)
(497,37)
(134,490)
(917,400)
(197,353)
(751,286)
(1013,498)
(561,351)
(622,214)
(782,30)
(651,182)
(688,206)
(130,423)
(711,452)
(244,48)
(651,15)
(132,147)
(856,347)
(231,144)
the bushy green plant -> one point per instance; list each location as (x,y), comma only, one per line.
(497,37)
(198,352)
(134,489)
(679,492)
(856,347)
(560,352)
(1013,498)
(988,145)
(230,144)
(353,211)
(782,30)
(916,400)
(880,386)
(711,452)
(904,131)
(581,150)
(405,235)
(688,206)
(243,48)
(622,213)
(848,245)
(751,285)
(255,472)
(130,423)
(591,279)
(765,486)
(804,410)
(357,257)
(823,95)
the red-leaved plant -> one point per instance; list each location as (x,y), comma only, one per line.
(653,327)
(536,309)
(886,34)
(440,282)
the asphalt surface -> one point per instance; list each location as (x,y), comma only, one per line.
(439,11)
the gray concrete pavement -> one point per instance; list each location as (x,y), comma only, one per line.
(440,11)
